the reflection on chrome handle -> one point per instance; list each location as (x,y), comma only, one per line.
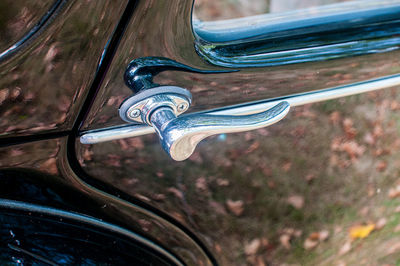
(180,136)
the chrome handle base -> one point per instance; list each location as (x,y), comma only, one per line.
(180,136)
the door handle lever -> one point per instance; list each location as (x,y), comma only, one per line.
(179,136)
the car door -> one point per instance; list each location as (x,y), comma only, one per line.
(306,190)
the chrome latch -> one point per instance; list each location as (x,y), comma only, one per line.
(160,107)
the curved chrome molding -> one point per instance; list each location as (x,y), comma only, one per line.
(254,27)
(17,205)
(307,35)
(127,131)
(293,56)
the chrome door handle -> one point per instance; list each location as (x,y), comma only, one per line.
(180,136)
(160,107)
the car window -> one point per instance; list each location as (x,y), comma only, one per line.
(207,10)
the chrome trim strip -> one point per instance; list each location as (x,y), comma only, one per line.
(245,28)
(128,131)
(29,207)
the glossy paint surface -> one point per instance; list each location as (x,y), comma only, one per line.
(40,173)
(17,17)
(149,34)
(237,188)
(44,82)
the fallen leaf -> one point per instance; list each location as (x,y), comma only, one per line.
(158,197)
(361,231)
(381,166)
(369,139)
(50,166)
(394,192)
(345,248)
(4,93)
(395,248)
(334,117)
(218,207)
(364,211)
(297,233)
(254,146)
(380,223)
(310,243)
(314,236)
(176,192)
(349,129)
(252,247)
(236,207)
(286,166)
(222,182)
(218,248)
(296,201)
(397,228)
(260,261)
(310,177)
(201,184)
(378,131)
(397,210)
(285,240)
(271,184)
(353,149)
(394,105)
(323,235)
(371,189)
(264,242)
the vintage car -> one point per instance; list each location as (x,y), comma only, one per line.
(134,134)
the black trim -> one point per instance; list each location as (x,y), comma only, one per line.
(9,141)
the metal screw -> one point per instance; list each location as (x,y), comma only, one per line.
(182,107)
(134,113)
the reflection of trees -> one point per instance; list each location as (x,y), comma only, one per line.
(40,85)
(17,17)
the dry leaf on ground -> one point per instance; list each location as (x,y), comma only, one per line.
(361,231)
(394,192)
(236,207)
(380,223)
(349,129)
(310,243)
(381,166)
(315,238)
(345,248)
(201,184)
(397,228)
(395,248)
(323,235)
(285,240)
(176,192)
(252,247)
(296,201)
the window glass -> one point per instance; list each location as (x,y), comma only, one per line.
(225,9)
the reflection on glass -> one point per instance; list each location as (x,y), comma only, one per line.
(225,9)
